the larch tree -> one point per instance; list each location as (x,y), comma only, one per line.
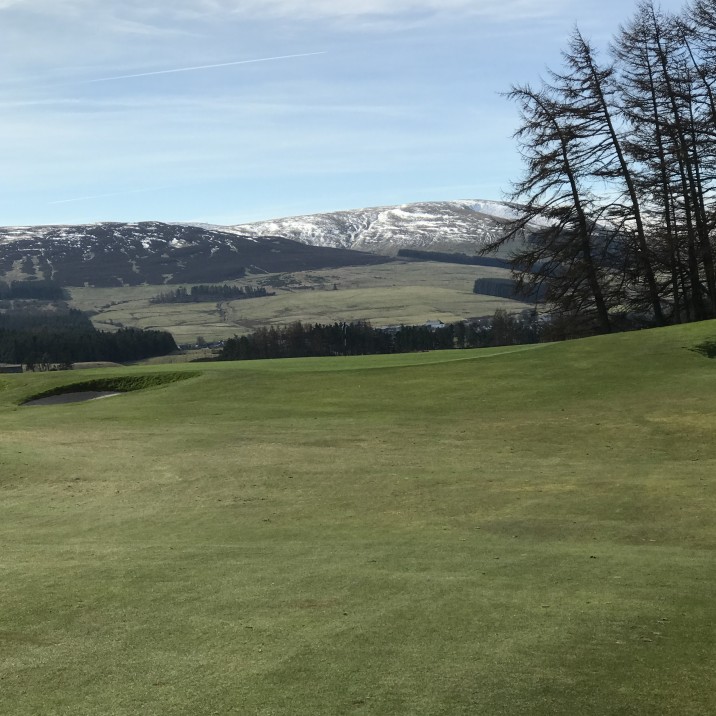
(590,91)
(566,248)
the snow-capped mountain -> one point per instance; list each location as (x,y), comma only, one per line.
(114,254)
(452,226)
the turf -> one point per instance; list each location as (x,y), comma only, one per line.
(511,531)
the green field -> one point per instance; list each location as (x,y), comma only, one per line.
(398,292)
(509,531)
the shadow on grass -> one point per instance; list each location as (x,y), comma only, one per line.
(707,348)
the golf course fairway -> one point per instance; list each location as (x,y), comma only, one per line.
(526,530)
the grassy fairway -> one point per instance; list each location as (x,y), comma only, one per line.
(497,532)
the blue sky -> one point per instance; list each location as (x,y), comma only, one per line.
(402,104)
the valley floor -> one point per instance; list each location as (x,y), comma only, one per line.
(386,294)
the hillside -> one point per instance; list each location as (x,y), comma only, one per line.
(485,533)
(105,255)
(390,293)
(453,226)
(155,253)
(114,270)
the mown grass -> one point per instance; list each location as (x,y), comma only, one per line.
(515,531)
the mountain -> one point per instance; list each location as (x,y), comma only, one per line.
(451,226)
(115,254)
(118,254)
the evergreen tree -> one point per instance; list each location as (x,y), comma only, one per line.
(567,251)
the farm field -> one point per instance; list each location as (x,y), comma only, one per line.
(522,530)
(397,292)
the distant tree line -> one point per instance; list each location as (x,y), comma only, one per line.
(360,338)
(619,168)
(209,293)
(32,290)
(40,339)
(452,258)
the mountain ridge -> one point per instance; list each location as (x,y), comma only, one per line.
(153,252)
(119,254)
(458,226)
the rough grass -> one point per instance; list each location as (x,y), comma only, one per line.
(525,531)
(398,292)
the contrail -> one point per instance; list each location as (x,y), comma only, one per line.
(202,67)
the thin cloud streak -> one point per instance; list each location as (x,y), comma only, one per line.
(202,67)
(104,196)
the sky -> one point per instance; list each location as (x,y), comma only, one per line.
(230,111)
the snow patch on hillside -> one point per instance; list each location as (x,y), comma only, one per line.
(466,225)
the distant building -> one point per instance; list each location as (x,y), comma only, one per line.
(434,324)
(10,368)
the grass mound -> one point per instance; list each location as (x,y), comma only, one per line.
(117,384)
